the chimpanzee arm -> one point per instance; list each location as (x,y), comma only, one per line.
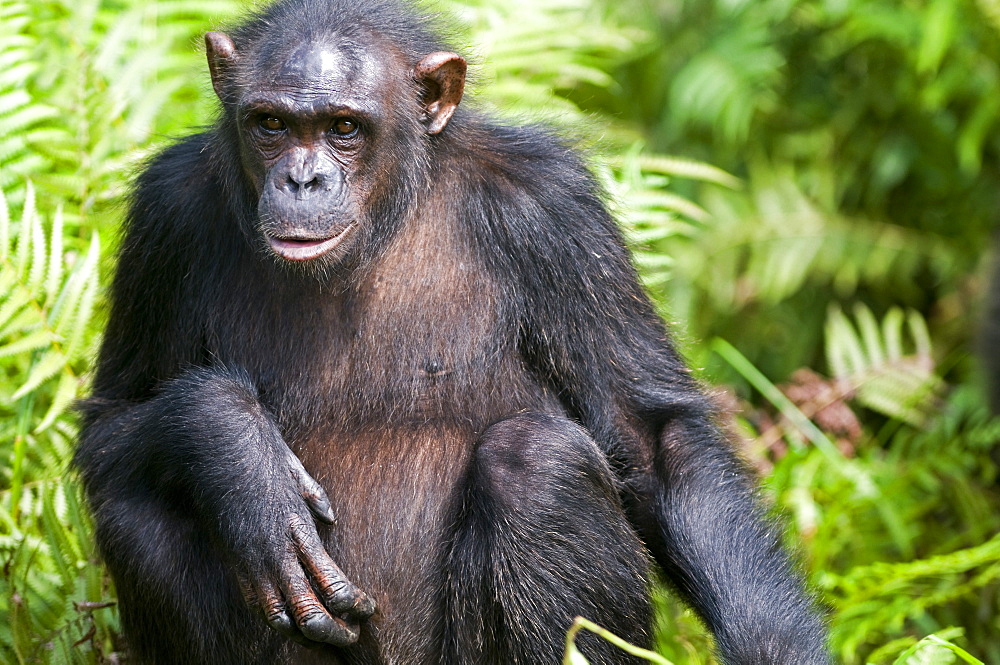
(204,448)
(592,335)
(191,484)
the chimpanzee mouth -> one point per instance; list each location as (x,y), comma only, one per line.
(305,249)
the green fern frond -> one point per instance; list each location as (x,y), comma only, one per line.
(725,84)
(531,50)
(884,595)
(21,115)
(872,359)
(45,310)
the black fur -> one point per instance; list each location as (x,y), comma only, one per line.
(482,388)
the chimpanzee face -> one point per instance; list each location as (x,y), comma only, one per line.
(306,131)
(324,127)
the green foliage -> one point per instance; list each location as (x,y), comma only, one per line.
(45,308)
(82,95)
(935,649)
(89,82)
(528,65)
(868,134)
(50,582)
(917,555)
(870,360)
(19,116)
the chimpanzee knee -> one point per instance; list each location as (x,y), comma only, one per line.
(542,537)
(536,461)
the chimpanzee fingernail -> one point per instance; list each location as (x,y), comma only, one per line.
(322,509)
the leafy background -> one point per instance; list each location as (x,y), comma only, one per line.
(809,186)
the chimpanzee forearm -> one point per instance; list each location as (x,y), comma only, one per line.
(713,542)
(204,457)
(204,445)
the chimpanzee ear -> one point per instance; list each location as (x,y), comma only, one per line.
(221,56)
(442,76)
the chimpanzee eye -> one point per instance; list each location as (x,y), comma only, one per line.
(271,124)
(344,127)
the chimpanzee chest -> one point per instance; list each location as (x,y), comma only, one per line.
(401,453)
(384,401)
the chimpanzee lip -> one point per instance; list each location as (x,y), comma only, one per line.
(305,249)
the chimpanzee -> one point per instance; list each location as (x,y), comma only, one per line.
(380,385)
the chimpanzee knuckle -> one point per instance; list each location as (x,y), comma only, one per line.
(345,632)
(332,630)
(316,623)
(319,505)
(334,587)
(278,619)
(339,594)
(346,599)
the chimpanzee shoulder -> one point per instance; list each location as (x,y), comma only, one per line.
(535,196)
(177,228)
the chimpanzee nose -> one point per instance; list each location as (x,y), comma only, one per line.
(302,184)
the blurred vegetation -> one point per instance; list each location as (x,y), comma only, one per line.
(809,185)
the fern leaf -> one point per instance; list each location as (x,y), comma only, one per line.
(86,305)
(844,352)
(36,340)
(23,321)
(921,336)
(71,317)
(871,358)
(4,228)
(60,551)
(892,331)
(66,392)
(870,335)
(15,301)
(50,364)
(24,234)
(54,278)
(689,168)
(39,251)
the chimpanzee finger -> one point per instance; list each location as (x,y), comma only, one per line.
(308,612)
(276,614)
(264,597)
(338,594)
(310,490)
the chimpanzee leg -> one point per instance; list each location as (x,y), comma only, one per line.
(196,613)
(540,537)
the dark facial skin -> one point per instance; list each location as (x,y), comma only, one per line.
(307,129)
(302,136)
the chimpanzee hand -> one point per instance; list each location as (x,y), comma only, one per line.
(301,592)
